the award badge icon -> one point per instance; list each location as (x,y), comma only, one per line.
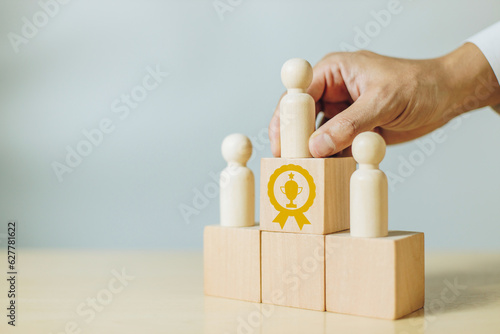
(299,182)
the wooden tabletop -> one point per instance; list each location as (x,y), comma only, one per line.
(68,291)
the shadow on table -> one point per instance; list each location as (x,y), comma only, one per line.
(474,287)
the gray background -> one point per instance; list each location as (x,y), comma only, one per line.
(224,77)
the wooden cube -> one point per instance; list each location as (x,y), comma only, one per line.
(293,270)
(232,262)
(305,195)
(375,277)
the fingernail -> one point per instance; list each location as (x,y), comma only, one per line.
(322,145)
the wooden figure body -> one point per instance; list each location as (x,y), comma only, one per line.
(237,184)
(369,197)
(297,110)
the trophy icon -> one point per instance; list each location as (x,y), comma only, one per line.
(291,189)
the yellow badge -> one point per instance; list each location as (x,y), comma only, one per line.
(291,183)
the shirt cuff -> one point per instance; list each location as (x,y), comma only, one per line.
(488,41)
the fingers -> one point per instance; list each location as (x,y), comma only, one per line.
(328,83)
(339,132)
(332,109)
(274,134)
(329,111)
(274,130)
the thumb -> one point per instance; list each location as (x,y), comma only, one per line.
(339,132)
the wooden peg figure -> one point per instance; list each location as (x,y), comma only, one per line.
(297,109)
(237,185)
(369,197)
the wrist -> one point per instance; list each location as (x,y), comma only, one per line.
(469,80)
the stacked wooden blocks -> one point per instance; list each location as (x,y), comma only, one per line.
(302,254)
(293,238)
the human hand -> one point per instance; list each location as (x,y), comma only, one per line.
(401,99)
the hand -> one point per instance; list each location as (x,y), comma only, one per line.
(401,99)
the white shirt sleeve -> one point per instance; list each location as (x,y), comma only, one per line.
(488,41)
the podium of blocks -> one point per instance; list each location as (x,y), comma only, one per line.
(303,254)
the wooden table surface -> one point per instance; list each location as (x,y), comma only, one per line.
(68,291)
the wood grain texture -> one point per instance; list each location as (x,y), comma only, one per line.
(329,212)
(232,262)
(293,270)
(375,277)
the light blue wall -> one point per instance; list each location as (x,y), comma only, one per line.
(224,77)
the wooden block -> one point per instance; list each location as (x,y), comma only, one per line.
(305,195)
(375,277)
(293,270)
(232,262)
